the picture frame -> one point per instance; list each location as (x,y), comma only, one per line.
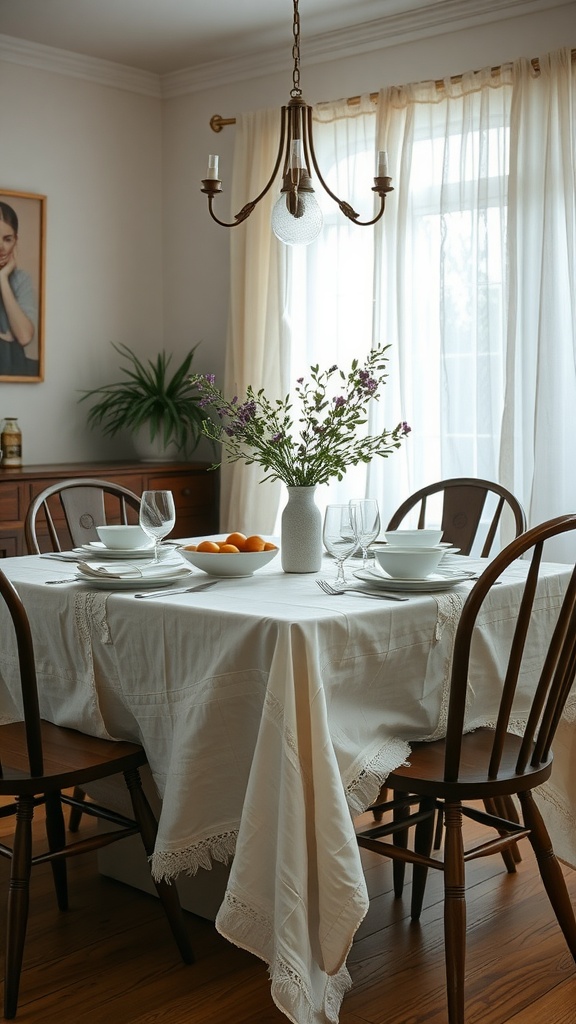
(23,246)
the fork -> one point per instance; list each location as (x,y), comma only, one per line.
(179,590)
(335,591)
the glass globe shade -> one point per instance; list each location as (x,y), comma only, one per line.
(297,230)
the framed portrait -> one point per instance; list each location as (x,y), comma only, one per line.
(22,286)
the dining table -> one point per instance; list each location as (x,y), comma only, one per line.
(271,714)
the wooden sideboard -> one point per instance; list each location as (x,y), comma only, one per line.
(194,485)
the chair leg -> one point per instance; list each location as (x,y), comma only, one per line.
(18,902)
(550,870)
(56,834)
(423,839)
(400,839)
(168,893)
(75,812)
(508,808)
(495,805)
(454,912)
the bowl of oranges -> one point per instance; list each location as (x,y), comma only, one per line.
(234,555)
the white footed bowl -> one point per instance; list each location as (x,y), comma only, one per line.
(413,538)
(123,537)
(223,564)
(408,563)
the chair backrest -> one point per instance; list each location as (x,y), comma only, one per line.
(27,668)
(67,513)
(556,665)
(463,502)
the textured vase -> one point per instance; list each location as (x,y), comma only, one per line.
(301,532)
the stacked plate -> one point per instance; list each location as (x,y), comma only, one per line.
(96,549)
(411,560)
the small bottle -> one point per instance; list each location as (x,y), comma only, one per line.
(11,442)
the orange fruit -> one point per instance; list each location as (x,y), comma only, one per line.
(254,543)
(190,547)
(238,539)
(269,546)
(208,545)
(229,549)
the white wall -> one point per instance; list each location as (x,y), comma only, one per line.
(96,153)
(132,254)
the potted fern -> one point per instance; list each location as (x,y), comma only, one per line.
(159,408)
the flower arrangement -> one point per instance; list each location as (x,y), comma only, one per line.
(310,446)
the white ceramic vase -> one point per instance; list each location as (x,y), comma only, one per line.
(301,532)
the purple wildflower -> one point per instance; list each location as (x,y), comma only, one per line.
(339,401)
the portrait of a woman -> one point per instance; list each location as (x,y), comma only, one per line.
(19,326)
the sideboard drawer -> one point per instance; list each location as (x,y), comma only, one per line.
(13,502)
(194,485)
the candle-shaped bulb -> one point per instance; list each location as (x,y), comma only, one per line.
(296,155)
(382,165)
(212,167)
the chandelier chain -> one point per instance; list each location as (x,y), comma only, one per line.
(296,90)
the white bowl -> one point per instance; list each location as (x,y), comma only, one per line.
(413,538)
(408,563)
(123,536)
(226,564)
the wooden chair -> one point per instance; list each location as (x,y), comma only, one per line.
(38,761)
(464,500)
(487,765)
(67,513)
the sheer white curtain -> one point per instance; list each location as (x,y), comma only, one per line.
(440,277)
(469,277)
(258,332)
(539,425)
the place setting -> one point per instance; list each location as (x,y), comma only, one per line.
(410,561)
(126,556)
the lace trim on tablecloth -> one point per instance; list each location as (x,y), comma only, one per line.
(449,610)
(251,930)
(90,616)
(90,619)
(168,864)
(363,789)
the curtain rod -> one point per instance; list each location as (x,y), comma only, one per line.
(217,123)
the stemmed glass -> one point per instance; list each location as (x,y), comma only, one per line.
(367,524)
(339,535)
(157,516)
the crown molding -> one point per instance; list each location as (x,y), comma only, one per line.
(76,65)
(434,19)
(440,17)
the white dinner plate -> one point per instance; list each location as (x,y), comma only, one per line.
(99,550)
(134,582)
(434,582)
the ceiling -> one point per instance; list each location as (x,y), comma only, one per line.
(167,36)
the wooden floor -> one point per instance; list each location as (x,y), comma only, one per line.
(111,960)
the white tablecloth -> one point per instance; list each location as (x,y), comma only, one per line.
(271,715)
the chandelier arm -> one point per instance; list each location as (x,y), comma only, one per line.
(382,184)
(213,189)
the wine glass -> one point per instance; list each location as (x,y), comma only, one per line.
(367,524)
(339,535)
(157,516)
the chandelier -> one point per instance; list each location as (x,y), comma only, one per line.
(296,217)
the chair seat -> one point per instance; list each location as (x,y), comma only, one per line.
(424,774)
(66,752)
